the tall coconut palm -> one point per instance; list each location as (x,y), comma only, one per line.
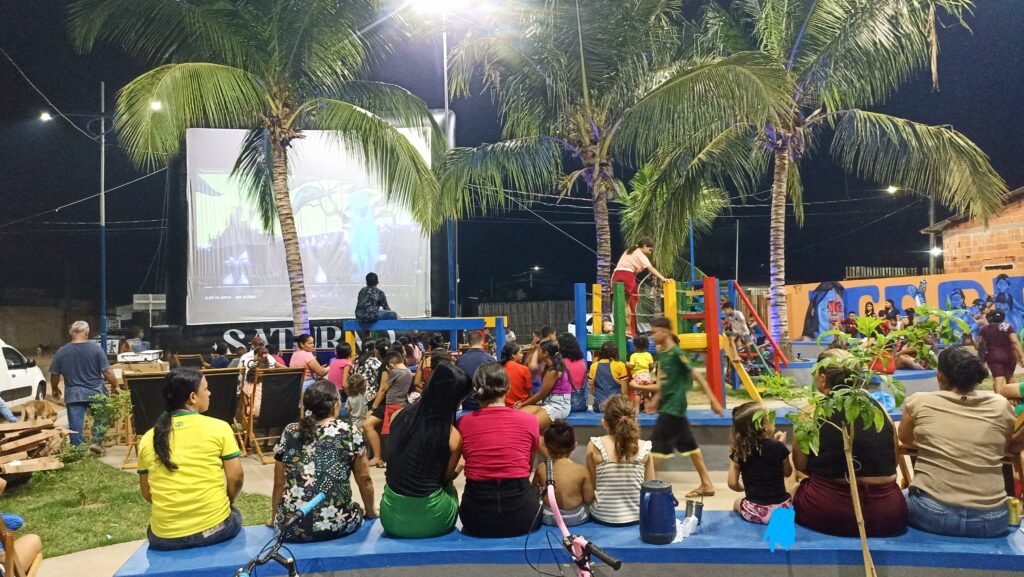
(572,79)
(840,56)
(275,68)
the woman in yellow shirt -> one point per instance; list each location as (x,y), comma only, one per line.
(184,461)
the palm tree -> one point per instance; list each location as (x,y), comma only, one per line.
(594,81)
(840,56)
(275,68)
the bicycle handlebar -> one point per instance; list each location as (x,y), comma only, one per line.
(612,562)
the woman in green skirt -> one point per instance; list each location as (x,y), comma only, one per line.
(423,455)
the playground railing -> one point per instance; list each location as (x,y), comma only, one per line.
(778,357)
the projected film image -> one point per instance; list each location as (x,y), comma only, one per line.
(346,229)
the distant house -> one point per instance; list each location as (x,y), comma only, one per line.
(970,246)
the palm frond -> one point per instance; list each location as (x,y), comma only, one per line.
(159,31)
(663,208)
(857,52)
(929,160)
(396,104)
(253,171)
(747,87)
(192,95)
(487,178)
(388,155)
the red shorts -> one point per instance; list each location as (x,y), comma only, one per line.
(389,410)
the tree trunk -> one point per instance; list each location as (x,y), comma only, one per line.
(290,237)
(604,244)
(869,564)
(777,260)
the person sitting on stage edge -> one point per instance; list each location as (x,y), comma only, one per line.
(499,444)
(958,486)
(822,500)
(372,303)
(419,499)
(317,455)
(184,461)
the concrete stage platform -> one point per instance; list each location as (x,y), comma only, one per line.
(724,545)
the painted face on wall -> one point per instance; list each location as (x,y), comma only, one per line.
(956,300)
(827,308)
(1002,286)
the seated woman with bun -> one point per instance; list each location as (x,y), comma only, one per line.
(499,443)
(961,436)
(423,458)
(823,500)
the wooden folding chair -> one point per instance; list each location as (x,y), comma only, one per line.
(10,557)
(281,406)
(147,395)
(194,361)
(223,386)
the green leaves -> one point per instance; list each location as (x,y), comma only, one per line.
(191,95)
(388,155)
(253,169)
(927,160)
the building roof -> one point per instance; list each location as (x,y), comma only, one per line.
(942,225)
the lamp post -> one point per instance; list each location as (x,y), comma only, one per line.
(101,138)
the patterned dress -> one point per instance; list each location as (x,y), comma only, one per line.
(370,368)
(321,466)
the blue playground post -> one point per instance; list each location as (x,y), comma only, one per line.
(580,313)
(499,335)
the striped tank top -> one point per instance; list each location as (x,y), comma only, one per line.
(617,487)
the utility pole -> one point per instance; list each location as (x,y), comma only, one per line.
(931,234)
(103,217)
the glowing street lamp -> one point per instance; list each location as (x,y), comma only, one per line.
(156,105)
(45,116)
(892,189)
(935,251)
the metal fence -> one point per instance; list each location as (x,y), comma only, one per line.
(865,272)
(526,316)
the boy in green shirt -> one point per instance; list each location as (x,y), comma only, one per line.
(672,430)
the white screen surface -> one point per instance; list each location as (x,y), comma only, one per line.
(237,273)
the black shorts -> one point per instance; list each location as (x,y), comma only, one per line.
(671,434)
(379,411)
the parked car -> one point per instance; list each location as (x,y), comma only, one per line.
(22,381)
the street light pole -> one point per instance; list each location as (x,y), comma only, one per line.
(103,217)
(452,226)
(931,234)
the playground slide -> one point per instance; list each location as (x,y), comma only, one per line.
(741,371)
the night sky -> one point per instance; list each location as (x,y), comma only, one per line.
(44,165)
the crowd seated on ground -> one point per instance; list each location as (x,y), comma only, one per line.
(190,472)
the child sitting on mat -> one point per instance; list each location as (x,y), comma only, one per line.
(574,489)
(640,364)
(619,463)
(759,464)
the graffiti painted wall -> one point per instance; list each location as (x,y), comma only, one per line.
(812,307)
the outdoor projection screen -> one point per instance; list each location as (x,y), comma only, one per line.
(236,272)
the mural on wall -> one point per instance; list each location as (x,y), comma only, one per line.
(818,306)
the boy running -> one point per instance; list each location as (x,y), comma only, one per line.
(675,378)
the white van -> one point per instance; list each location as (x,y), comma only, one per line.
(22,381)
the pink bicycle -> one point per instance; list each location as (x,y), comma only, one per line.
(579,548)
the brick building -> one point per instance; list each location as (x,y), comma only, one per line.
(969,246)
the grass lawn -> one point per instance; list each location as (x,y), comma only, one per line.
(88,504)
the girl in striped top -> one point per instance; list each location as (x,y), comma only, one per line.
(619,463)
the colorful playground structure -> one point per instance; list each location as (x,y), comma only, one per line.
(693,318)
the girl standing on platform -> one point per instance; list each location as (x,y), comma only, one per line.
(633,261)
(759,464)
(619,463)
(552,402)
